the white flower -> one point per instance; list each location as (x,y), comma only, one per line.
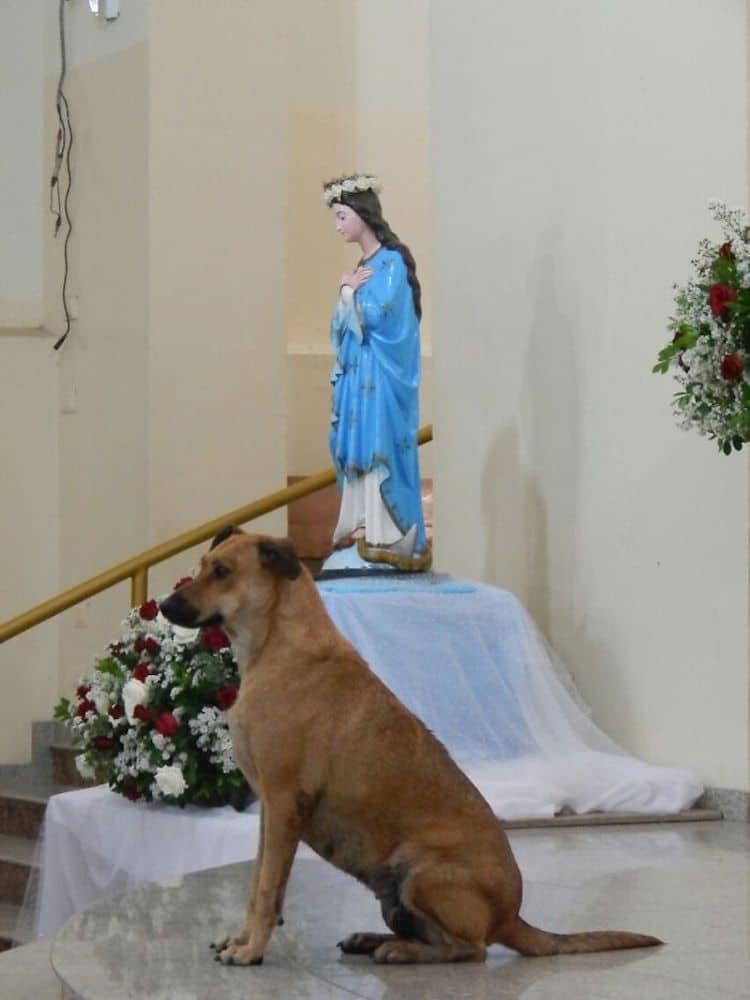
(134,693)
(170,780)
(101,700)
(184,636)
(85,769)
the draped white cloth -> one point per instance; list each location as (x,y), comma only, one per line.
(469,661)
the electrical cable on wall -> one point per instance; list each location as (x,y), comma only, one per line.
(59,206)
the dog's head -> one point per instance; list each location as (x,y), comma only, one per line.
(239,575)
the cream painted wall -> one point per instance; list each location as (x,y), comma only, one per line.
(103,366)
(574,151)
(68,510)
(175,243)
(28,531)
(217,209)
(21,88)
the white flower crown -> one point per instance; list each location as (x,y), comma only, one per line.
(333,190)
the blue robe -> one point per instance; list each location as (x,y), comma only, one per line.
(375,379)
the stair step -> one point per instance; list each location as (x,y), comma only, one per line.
(16,862)
(64,770)
(21,814)
(17,850)
(22,805)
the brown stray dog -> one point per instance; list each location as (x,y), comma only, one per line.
(339,763)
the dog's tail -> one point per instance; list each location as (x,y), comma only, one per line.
(532,941)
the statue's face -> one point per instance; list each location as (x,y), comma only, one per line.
(348,223)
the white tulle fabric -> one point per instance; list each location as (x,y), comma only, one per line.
(471,663)
(468,660)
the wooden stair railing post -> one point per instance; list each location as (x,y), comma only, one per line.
(139,587)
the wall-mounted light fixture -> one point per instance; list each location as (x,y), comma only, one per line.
(108,9)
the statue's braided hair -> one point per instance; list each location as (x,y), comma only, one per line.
(367,206)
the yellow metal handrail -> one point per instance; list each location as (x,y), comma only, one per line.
(137,567)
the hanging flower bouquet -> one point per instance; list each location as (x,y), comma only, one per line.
(151,722)
(709,354)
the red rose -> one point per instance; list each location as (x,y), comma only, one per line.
(718,297)
(82,690)
(103,743)
(84,707)
(226,697)
(166,724)
(215,639)
(131,792)
(725,251)
(147,645)
(117,711)
(142,713)
(141,671)
(148,610)
(732,367)
(183,581)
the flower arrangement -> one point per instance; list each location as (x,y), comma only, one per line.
(150,721)
(709,353)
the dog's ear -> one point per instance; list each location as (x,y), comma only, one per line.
(225,533)
(278,556)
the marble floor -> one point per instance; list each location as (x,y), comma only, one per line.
(688,883)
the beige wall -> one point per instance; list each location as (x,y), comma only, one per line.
(28,530)
(74,504)
(217,209)
(21,206)
(574,153)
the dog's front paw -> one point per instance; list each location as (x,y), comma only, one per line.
(219,944)
(239,954)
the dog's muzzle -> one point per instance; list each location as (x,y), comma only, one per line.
(181,612)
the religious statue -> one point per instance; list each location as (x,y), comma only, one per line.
(375,390)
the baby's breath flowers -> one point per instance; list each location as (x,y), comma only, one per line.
(150,720)
(709,354)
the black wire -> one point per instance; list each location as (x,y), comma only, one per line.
(69,146)
(64,146)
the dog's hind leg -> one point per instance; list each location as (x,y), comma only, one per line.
(449,920)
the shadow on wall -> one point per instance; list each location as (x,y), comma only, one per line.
(551,422)
(554,436)
(504,521)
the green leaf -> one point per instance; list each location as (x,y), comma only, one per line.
(62,709)
(110,666)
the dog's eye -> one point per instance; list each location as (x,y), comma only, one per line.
(221,571)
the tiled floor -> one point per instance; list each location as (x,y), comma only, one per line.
(686,883)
